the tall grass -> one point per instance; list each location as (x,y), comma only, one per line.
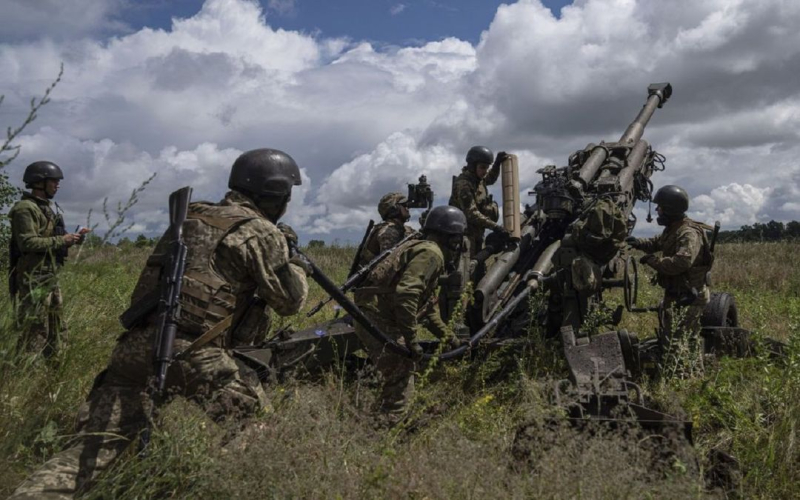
(461,440)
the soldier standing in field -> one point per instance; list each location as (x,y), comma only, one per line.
(393,209)
(402,294)
(38,247)
(238,268)
(470,195)
(683,266)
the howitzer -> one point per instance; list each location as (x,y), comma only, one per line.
(170,290)
(359,276)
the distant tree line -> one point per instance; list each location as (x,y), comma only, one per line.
(760,231)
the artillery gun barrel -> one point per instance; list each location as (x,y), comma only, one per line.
(658,94)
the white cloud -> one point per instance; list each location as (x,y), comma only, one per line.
(397,8)
(363,120)
(282,7)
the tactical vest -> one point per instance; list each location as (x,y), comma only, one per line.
(206,297)
(386,275)
(483,201)
(697,275)
(21,263)
(372,247)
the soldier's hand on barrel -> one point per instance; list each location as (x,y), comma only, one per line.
(288,233)
(632,242)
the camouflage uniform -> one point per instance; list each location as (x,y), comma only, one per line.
(471,196)
(685,261)
(405,287)
(39,301)
(384,236)
(246,255)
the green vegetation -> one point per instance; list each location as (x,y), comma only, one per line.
(319,441)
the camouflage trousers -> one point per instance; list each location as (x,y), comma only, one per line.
(117,409)
(681,321)
(396,371)
(40,321)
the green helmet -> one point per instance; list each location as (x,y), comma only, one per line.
(264,172)
(479,154)
(673,200)
(388,206)
(39,171)
(446,220)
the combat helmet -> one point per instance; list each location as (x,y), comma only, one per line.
(388,207)
(447,220)
(673,200)
(39,171)
(264,172)
(479,154)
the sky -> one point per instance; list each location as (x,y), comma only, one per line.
(367,95)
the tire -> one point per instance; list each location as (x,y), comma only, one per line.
(720,311)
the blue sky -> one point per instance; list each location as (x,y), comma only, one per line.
(404,22)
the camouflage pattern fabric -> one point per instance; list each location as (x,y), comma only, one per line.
(685,256)
(685,260)
(471,197)
(254,255)
(397,313)
(383,236)
(39,301)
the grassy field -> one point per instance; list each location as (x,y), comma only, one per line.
(318,439)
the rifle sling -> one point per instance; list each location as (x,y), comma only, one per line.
(209,336)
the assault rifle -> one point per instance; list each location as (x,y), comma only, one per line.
(170,290)
(360,250)
(361,274)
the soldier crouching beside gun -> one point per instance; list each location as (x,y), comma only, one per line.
(686,258)
(237,267)
(405,285)
(38,247)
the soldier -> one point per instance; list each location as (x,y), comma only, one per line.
(393,209)
(238,267)
(37,249)
(471,197)
(684,264)
(405,285)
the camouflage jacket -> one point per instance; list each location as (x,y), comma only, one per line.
(383,237)
(406,292)
(242,269)
(32,223)
(471,197)
(685,256)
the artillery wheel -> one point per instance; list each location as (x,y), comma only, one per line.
(630,283)
(720,311)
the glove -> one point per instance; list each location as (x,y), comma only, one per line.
(500,229)
(647,259)
(500,158)
(288,233)
(633,242)
(302,264)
